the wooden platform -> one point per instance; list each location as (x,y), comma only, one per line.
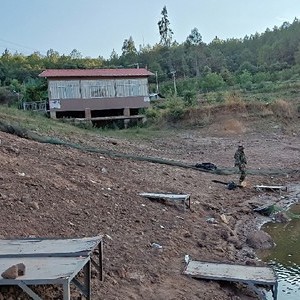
(250,275)
(273,188)
(185,199)
(52,262)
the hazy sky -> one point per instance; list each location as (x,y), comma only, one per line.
(96,27)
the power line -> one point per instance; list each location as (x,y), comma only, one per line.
(19,45)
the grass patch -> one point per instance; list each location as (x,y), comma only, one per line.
(46,126)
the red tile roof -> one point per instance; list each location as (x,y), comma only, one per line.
(96,73)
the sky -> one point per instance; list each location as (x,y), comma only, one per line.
(97,27)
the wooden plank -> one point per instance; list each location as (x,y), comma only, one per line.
(183,198)
(250,275)
(174,197)
(110,118)
(48,247)
(272,187)
(231,272)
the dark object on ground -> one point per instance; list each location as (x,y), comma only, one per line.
(231,185)
(266,210)
(206,166)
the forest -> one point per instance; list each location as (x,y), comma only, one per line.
(260,63)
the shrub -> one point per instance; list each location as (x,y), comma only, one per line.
(234,101)
(283,109)
(212,82)
(152,113)
(189,97)
(175,109)
(6,96)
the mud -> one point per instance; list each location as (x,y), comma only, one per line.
(54,191)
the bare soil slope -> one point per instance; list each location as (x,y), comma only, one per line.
(55,191)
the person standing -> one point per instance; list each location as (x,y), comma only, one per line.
(240,162)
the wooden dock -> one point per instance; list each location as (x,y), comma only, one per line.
(250,275)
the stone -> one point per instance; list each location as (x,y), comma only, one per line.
(260,240)
(34,205)
(21,269)
(281,217)
(14,271)
(11,272)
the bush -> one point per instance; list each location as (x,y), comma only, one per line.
(152,113)
(189,97)
(6,96)
(234,101)
(175,109)
(212,82)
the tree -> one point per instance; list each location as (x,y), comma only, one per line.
(166,33)
(128,47)
(75,54)
(114,58)
(194,38)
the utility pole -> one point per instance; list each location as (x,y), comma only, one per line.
(156,82)
(174,81)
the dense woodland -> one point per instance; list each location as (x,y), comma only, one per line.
(255,63)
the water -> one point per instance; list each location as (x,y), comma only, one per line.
(285,257)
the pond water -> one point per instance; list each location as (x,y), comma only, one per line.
(285,257)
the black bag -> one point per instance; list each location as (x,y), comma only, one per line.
(231,185)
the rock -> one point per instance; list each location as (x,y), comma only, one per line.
(260,240)
(14,271)
(21,269)
(26,198)
(3,196)
(10,273)
(187,234)
(235,241)
(104,171)
(224,219)
(281,217)
(135,277)
(34,205)
(251,262)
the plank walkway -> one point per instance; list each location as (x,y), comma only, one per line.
(250,275)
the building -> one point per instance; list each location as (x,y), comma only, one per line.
(97,94)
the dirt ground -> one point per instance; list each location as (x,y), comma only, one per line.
(55,191)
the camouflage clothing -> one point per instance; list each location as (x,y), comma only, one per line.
(240,162)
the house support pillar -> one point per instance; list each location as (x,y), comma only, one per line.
(126,112)
(52,114)
(87,113)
